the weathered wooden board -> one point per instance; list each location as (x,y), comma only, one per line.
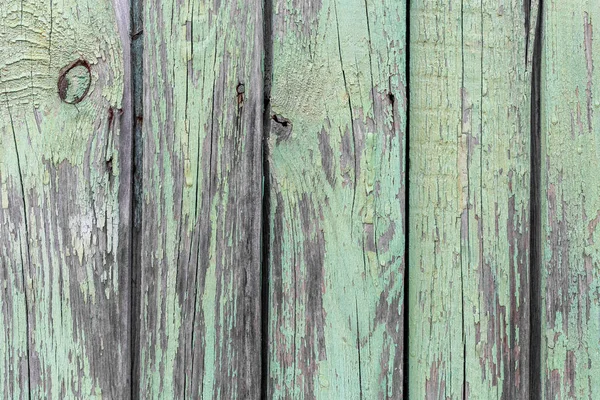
(337,222)
(65,151)
(201,200)
(570,204)
(334,186)
(470,84)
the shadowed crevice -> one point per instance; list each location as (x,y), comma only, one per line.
(405,367)
(535,215)
(266,195)
(136,36)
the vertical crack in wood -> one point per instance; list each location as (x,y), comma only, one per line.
(136,14)
(360,384)
(266,195)
(354,143)
(462,267)
(535,253)
(405,341)
(527,10)
(26,223)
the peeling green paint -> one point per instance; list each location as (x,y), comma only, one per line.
(336,155)
(62,224)
(335,194)
(200,204)
(570,202)
(470,85)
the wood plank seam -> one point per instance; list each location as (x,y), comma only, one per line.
(137,104)
(407,236)
(266,195)
(535,255)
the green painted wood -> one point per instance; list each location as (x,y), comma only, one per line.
(336,159)
(200,202)
(570,202)
(64,199)
(470,85)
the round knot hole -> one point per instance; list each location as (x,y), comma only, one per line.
(74,82)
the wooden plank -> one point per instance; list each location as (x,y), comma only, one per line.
(65,145)
(201,200)
(336,161)
(470,80)
(570,202)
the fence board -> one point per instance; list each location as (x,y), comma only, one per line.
(336,161)
(470,83)
(334,186)
(65,147)
(201,200)
(570,202)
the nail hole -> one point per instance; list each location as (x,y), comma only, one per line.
(240,93)
(74,82)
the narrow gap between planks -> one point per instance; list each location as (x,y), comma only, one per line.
(535,213)
(136,49)
(266,196)
(406,280)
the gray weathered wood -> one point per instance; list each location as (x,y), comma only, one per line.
(201,200)
(64,199)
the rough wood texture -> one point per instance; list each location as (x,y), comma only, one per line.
(64,199)
(470,86)
(570,202)
(336,157)
(132,249)
(201,200)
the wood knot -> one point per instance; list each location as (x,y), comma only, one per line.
(74,82)
(281,127)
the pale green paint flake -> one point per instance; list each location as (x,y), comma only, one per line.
(61,229)
(469,134)
(336,157)
(200,200)
(570,195)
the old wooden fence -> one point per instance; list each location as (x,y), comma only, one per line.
(299,199)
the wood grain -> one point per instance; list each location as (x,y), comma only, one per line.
(138,214)
(570,313)
(470,85)
(201,200)
(64,199)
(337,220)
